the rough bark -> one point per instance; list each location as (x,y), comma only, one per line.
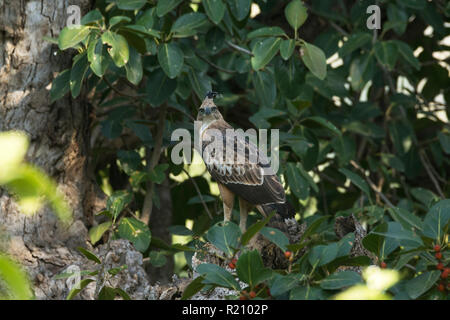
(59,135)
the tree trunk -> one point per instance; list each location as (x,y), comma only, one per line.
(59,135)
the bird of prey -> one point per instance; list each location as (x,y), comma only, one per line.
(252,181)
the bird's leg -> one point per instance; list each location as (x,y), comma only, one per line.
(243,210)
(228,202)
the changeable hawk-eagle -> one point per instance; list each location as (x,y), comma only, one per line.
(251,181)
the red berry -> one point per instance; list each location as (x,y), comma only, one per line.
(438,256)
(232,265)
(242,298)
(252,294)
(437,248)
(287,254)
(444,274)
(268,292)
(383,265)
(234,261)
(441,287)
(440,266)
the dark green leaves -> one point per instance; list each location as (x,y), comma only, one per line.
(118,50)
(171,59)
(287,48)
(136,231)
(213,274)
(250,268)
(315,60)
(354,42)
(225,236)
(276,236)
(296,14)
(117,202)
(436,220)
(134,67)
(60,85)
(131,4)
(187,24)
(340,280)
(387,53)
(297,184)
(357,180)
(77,73)
(421,284)
(264,51)
(164,7)
(240,9)
(159,87)
(71,36)
(215,9)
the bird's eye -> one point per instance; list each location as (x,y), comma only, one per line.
(214,108)
(202,110)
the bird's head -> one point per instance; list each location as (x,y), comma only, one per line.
(208,111)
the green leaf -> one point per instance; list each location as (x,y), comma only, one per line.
(255,228)
(287,48)
(136,231)
(297,183)
(60,85)
(71,36)
(77,74)
(314,60)
(97,56)
(436,220)
(355,41)
(225,236)
(250,268)
(306,293)
(323,122)
(265,87)
(266,32)
(215,9)
(119,50)
(323,254)
(356,180)
(122,293)
(164,7)
(309,231)
(296,14)
(91,17)
(214,274)
(407,219)
(387,53)
(444,140)
(406,52)
(361,71)
(117,202)
(201,83)
(240,9)
(187,24)
(340,280)
(96,232)
(159,87)
(131,4)
(421,284)
(195,286)
(14,279)
(276,236)
(264,51)
(171,59)
(284,283)
(78,287)
(107,293)
(89,255)
(118,19)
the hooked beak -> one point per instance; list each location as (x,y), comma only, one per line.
(207,111)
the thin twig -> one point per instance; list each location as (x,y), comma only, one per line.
(240,49)
(430,173)
(215,65)
(372,185)
(151,164)
(120,92)
(199,193)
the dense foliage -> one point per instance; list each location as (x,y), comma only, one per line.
(363,118)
